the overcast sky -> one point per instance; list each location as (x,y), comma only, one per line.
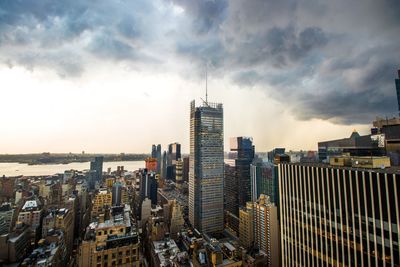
(117,76)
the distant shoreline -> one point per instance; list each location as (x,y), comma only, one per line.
(49,159)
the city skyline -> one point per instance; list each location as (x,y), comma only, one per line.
(76,77)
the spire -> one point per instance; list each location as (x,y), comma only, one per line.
(206,87)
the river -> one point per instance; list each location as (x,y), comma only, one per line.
(16,169)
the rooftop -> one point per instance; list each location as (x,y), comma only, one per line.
(30,205)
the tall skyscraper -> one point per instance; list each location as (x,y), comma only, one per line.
(156,153)
(237,189)
(244,148)
(262,180)
(164,165)
(206,175)
(340,215)
(174,153)
(97,166)
(398,89)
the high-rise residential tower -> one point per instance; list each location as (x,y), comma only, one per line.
(206,171)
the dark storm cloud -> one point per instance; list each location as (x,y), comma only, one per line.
(36,33)
(330,60)
(207,14)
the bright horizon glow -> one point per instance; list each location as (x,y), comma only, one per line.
(117,77)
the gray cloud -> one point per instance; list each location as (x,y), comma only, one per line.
(57,34)
(207,14)
(333,61)
(330,60)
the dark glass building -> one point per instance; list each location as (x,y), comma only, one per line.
(174,153)
(148,186)
(262,180)
(97,167)
(355,145)
(156,153)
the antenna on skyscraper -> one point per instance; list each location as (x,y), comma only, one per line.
(206,102)
(206,86)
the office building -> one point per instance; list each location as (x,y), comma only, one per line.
(237,185)
(355,145)
(206,175)
(244,148)
(114,242)
(231,196)
(174,153)
(178,174)
(117,194)
(156,153)
(177,221)
(387,133)
(344,215)
(97,167)
(7,188)
(246,225)
(185,169)
(263,180)
(148,186)
(101,201)
(15,246)
(266,229)
(8,216)
(31,214)
(276,151)
(61,219)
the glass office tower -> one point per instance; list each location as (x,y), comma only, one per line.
(206,170)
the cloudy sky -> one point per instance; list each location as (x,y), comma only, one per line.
(117,76)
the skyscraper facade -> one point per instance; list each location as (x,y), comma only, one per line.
(342,216)
(156,153)
(174,153)
(244,148)
(117,194)
(206,171)
(263,180)
(266,233)
(97,166)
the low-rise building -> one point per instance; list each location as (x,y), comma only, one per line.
(114,242)
(15,246)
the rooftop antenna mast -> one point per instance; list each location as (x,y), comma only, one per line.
(206,87)
(206,102)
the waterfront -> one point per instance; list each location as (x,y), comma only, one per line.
(16,169)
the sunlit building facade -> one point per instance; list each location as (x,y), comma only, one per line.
(336,215)
(206,171)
